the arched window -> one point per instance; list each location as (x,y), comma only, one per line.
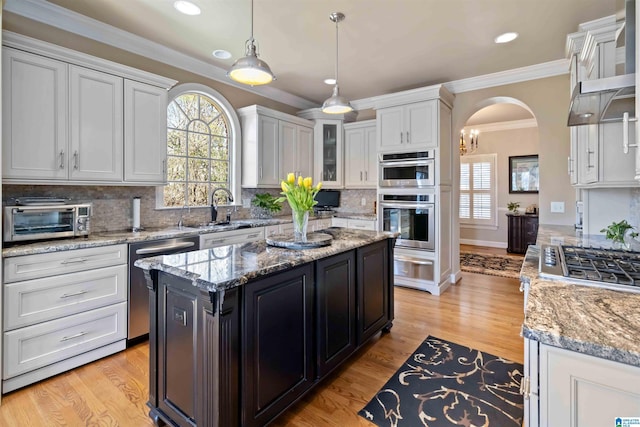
(203,134)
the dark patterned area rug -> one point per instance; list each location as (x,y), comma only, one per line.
(444,384)
(493,265)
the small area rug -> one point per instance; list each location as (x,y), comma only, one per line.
(444,384)
(493,265)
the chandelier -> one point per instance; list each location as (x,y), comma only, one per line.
(472,146)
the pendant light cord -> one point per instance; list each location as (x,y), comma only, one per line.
(252,20)
(336,51)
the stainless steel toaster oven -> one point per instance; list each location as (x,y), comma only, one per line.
(39,220)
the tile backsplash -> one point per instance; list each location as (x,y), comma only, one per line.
(112,206)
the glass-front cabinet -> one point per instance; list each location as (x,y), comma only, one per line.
(328,161)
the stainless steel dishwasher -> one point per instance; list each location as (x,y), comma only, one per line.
(138,306)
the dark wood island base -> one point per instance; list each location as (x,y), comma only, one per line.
(244,331)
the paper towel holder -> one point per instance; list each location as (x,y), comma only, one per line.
(136,215)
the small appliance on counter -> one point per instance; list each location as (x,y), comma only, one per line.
(327,200)
(44,218)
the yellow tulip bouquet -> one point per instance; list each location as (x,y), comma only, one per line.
(300,193)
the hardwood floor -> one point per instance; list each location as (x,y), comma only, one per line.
(483,312)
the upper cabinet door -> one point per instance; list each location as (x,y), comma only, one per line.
(268,152)
(390,129)
(421,125)
(96,106)
(34,109)
(354,149)
(328,157)
(145,133)
(304,150)
(288,158)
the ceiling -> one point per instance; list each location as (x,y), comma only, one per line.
(385,46)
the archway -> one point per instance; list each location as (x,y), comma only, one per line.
(506,128)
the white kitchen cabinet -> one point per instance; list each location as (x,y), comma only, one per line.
(578,390)
(319,224)
(408,127)
(328,154)
(62,310)
(361,224)
(96,120)
(360,158)
(597,159)
(145,133)
(64,117)
(296,149)
(34,116)
(273,144)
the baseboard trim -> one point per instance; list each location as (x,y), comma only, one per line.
(487,243)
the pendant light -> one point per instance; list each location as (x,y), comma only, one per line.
(336,104)
(249,69)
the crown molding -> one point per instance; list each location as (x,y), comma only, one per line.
(574,44)
(516,75)
(64,19)
(426,93)
(500,126)
(22,42)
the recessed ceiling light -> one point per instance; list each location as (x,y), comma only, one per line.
(330,81)
(221,54)
(186,7)
(506,37)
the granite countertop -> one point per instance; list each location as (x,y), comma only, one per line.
(595,321)
(229,266)
(128,236)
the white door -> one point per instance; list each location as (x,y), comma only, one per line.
(390,128)
(304,150)
(35,117)
(421,125)
(288,158)
(354,148)
(96,105)
(145,133)
(370,158)
(268,151)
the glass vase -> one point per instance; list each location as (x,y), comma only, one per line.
(300,221)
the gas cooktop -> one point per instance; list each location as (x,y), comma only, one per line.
(606,268)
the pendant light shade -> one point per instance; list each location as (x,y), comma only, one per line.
(336,104)
(251,70)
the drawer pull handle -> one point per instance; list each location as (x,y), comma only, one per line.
(253,236)
(73,294)
(413,261)
(74,260)
(70,337)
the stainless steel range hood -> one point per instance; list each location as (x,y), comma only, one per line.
(607,99)
(602,100)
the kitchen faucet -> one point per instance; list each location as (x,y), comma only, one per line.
(214,204)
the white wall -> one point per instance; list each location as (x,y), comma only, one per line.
(505,143)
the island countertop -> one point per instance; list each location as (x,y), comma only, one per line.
(591,320)
(229,266)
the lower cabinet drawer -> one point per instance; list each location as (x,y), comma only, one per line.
(33,301)
(33,347)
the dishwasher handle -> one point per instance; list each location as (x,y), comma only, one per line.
(164,248)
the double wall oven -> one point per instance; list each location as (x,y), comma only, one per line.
(407,205)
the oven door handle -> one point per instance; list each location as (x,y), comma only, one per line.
(413,260)
(44,208)
(407,205)
(417,162)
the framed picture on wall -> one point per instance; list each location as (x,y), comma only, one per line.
(524,174)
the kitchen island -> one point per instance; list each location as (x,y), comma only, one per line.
(582,344)
(241,332)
